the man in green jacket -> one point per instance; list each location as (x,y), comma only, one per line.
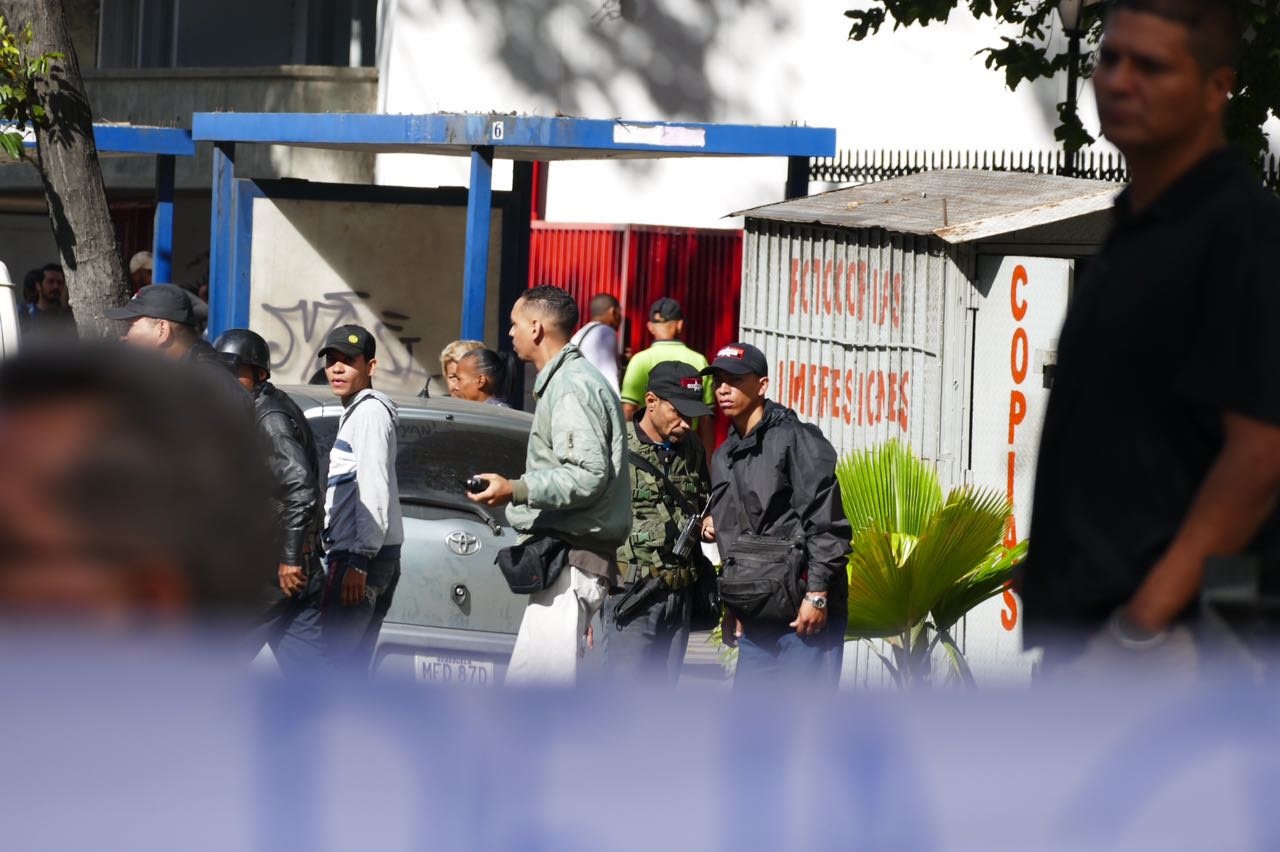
(646,625)
(575,487)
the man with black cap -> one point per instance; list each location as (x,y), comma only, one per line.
(646,623)
(161,318)
(774,480)
(363,529)
(666,324)
(291,602)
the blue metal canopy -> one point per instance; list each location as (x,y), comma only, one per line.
(136,140)
(482,137)
(514,137)
(163,143)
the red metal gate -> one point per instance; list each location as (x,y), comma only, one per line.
(699,267)
(639,264)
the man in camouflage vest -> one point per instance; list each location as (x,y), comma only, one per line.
(646,623)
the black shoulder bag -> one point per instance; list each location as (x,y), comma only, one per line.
(705,609)
(761,578)
(533,565)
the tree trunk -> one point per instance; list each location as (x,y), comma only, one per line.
(67,159)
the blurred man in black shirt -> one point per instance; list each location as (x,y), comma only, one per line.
(1161,444)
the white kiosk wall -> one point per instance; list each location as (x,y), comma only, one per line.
(1015,344)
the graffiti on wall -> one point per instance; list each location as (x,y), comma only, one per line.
(296,332)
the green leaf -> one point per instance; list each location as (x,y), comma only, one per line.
(888,488)
(958,540)
(958,662)
(986,581)
(12,144)
(879,590)
(913,554)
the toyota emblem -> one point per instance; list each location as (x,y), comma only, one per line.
(463,544)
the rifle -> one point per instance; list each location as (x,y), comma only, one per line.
(636,599)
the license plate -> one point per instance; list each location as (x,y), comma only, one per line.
(453,670)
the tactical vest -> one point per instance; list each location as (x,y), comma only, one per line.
(656,517)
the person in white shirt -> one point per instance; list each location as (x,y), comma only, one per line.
(598,339)
(363,527)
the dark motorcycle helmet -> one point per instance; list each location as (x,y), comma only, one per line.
(241,346)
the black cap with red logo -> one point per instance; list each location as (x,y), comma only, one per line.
(681,385)
(739,359)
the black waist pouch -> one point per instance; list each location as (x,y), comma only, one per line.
(761,579)
(533,565)
(706,609)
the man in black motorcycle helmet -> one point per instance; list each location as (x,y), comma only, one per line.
(291,603)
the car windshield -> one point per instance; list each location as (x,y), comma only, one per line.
(435,456)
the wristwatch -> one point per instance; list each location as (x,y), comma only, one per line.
(1130,636)
(816,601)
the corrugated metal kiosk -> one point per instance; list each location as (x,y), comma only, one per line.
(927,309)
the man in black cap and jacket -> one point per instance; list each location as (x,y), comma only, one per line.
(292,602)
(161,318)
(775,477)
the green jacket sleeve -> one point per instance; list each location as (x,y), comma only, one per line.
(581,446)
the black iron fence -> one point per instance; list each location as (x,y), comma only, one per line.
(852,166)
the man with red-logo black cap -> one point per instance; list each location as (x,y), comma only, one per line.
(646,622)
(778,521)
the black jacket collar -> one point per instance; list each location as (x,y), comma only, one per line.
(1187,192)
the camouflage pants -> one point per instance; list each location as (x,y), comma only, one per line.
(651,645)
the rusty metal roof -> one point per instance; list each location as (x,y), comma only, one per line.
(957,205)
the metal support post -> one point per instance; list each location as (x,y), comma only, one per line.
(1073,62)
(222,239)
(475,281)
(162,229)
(797,177)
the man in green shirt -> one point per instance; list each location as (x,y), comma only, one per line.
(666,324)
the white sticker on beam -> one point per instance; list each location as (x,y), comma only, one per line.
(664,135)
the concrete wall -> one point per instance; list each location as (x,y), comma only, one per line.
(393,268)
(167,97)
(770,61)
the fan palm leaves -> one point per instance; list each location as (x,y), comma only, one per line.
(918,561)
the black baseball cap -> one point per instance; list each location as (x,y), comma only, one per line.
(739,359)
(665,309)
(681,385)
(350,340)
(158,301)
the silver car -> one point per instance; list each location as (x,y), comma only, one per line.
(453,620)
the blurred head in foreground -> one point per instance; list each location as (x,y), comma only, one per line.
(130,497)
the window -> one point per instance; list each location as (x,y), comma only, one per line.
(435,456)
(235,33)
(439,455)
